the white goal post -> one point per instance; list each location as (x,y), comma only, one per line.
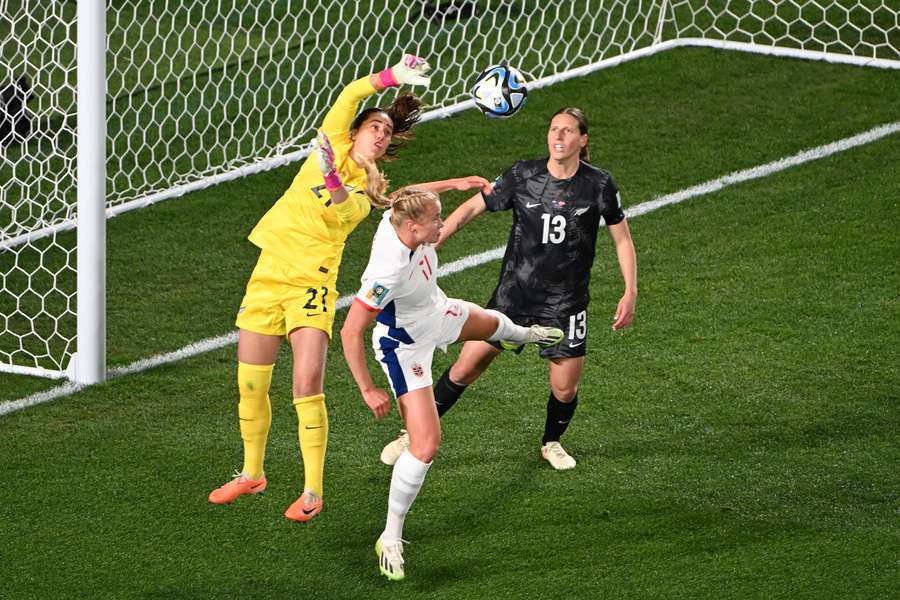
(110,106)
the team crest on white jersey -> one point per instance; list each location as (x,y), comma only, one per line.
(418,370)
(377,293)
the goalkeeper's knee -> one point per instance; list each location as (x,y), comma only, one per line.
(254,382)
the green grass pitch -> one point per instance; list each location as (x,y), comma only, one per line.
(740,441)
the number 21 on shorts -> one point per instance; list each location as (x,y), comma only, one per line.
(311,302)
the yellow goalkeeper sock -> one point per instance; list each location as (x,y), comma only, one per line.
(313,422)
(255,414)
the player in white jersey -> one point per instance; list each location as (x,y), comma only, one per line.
(399,292)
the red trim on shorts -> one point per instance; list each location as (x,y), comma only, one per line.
(366,306)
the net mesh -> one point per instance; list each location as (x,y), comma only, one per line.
(197,89)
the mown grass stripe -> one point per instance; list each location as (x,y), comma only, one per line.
(475,260)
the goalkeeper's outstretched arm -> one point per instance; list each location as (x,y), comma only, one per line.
(411,70)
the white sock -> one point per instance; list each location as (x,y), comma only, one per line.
(406,481)
(507,331)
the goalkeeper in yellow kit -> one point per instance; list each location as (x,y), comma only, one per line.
(292,290)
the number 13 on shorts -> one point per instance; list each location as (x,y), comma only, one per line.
(578,326)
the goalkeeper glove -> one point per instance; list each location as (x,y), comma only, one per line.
(411,70)
(326,162)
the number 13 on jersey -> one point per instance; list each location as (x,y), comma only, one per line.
(554,229)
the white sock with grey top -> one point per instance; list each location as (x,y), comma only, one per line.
(406,481)
(507,331)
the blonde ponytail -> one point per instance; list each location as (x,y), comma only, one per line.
(376,185)
(411,203)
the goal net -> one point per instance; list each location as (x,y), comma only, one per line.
(199,92)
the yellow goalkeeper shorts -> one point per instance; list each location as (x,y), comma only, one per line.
(281,298)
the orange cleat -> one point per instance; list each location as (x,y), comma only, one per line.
(307,506)
(236,488)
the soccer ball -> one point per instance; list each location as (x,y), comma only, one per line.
(500,91)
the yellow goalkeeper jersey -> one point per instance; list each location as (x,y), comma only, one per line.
(304,228)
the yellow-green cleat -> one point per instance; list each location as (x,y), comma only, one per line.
(540,335)
(390,559)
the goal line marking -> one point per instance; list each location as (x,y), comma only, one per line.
(475,260)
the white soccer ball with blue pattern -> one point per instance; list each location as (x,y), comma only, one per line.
(500,91)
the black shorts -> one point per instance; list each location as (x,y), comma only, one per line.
(574,326)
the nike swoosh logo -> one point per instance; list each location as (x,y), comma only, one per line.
(532,205)
(308,512)
(575,345)
(316,427)
(313,314)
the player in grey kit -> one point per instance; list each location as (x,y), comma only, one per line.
(557,205)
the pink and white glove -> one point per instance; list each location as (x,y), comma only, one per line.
(326,162)
(411,71)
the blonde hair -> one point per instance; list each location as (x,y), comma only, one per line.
(410,203)
(376,184)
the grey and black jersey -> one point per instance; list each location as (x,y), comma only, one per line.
(546,269)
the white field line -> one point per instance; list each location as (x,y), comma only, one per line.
(274,162)
(474,260)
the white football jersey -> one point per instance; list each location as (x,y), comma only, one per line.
(402,285)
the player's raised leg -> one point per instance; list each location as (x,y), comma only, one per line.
(494,326)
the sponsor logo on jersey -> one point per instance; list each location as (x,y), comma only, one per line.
(418,370)
(377,293)
(532,204)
